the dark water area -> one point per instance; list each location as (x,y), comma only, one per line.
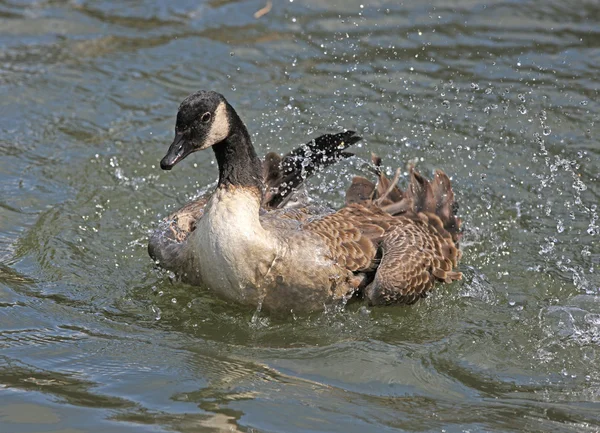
(501,95)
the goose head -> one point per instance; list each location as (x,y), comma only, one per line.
(203,120)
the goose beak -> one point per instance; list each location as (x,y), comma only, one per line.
(179,149)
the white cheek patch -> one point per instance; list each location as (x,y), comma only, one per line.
(219,130)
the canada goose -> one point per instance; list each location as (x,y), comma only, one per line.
(387,245)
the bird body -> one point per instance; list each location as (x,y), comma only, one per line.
(386,245)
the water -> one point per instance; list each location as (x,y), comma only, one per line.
(501,95)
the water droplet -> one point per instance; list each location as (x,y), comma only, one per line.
(559,226)
(232,54)
(546,131)
(579,185)
(157,312)
(233,88)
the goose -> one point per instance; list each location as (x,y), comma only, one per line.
(386,245)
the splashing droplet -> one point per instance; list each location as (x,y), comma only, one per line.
(157,313)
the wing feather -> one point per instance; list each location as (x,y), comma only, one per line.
(414,256)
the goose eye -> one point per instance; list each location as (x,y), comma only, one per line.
(205,117)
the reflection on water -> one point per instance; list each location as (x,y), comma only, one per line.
(502,96)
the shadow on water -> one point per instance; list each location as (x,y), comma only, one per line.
(502,96)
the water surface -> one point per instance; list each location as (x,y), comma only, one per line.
(501,95)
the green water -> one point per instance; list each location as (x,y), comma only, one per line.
(502,95)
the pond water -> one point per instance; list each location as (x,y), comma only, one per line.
(502,95)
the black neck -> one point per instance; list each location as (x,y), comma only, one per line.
(237,160)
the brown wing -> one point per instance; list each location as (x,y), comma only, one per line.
(290,218)
(422,196)
(422,247)
(352,235)
(183,221)
(165,242)
(360,190)
(385,193)
(414,256)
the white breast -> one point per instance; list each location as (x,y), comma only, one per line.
(234,251)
